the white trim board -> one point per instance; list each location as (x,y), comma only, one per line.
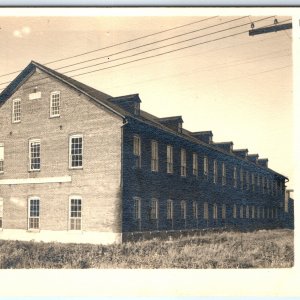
(36,180)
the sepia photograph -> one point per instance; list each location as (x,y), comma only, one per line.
(153,140)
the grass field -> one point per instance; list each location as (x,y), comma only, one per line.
(259,249)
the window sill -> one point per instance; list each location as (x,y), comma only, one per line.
(33,230)
(33,171)
(53,117)
(75,168)
(16,122)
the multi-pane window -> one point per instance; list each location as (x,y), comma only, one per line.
(183,210)
(205,167)
(154,209)
(234,177)
(76,151)
(241,212)
(1,212)
(241,178)
(137,151)
(224,211)
(169,159)
(16,111)
(1,158)
(195,210)
(234,211)
(253,182)
(195,164)
(215,178)
(223,174)
(247,180)
(170,209)
(183,162)
(215,211)
(75,213)
(154,156)
(55,104)
(34,155)
(34,213)
(137,208)
(205,211)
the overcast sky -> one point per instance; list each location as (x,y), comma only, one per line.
(240,87)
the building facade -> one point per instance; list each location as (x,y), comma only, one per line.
(77,165)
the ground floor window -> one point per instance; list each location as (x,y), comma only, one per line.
(234,211)
(170,209)
(241,212)
(215,211)
(154,209)
(34,213)
(137,208)
(183,210)
(205,210)
(75,213)
(223,211)
(195,210)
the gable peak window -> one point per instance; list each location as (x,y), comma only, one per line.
(34,155)
(16,111)
(76,151)
(55,104)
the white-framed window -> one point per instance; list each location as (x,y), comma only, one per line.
(34,155)
(195,210)
(205,166)
(205,211)
(247,212)
(76,151)
(1,158)
(75,213)
(215,211)
(234,214)
(223,174)
(154,156)
(247,180)
(234,177)
(253,182)
(137,151)
(1,213)
(224,211)
(253,212)
(169,209)
(183,163)
(154,209)
(169,159)
(195,164)
(55,104)
(183,210)
(33,213)
(215,165)
(16,111)
(137,208)
(241,211)
(241,178)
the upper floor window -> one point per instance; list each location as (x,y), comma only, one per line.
(205,211)
(76,151)
(258,180)
(137,208)
(223,174)
(195,210)
(215,178)
(195,164)
(183,210)
(247,180)
(268,186)
(34,155)
(234,177)
(205,166)
(183,162)
(242,178)
(263,184)
(169,159)
(1,212)
(253,182)
(34,213)
(55,104)
(215,211)
(170,209)
(137,151)
(154,156)
(154,209)
(16,111)
(1,157)
(75,213)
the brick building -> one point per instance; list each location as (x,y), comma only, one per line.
(77,165)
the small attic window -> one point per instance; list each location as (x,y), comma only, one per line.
(180,127)
(35,94)
(136,108)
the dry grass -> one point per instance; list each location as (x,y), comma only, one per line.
(260,249)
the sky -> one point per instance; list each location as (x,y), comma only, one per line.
(224,80)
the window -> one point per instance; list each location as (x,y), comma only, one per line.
(253,182)
(215,178)
(183,162)
(247,180)
(1,158)
(242,178)
(268,213)
(263,184)
(241,212)
(247,212)
(215,211)
(195,210)
(16,114)
(268,186)
(34,155)
(258,212)
(223,174)
(183,210)
(195,164)
(154,156)
(234,211)
(258,182)
(55,104)
(137,208)
(154,209)
(253,212)
(1,212)
(136,108)
(205,210)
(224,211)
(180,127)
(75,213)
(76,151)
(170,209)
(276,213)
(169,159)
(263,213)
(205,166)
(137,151)
(234,177)
(34,213)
